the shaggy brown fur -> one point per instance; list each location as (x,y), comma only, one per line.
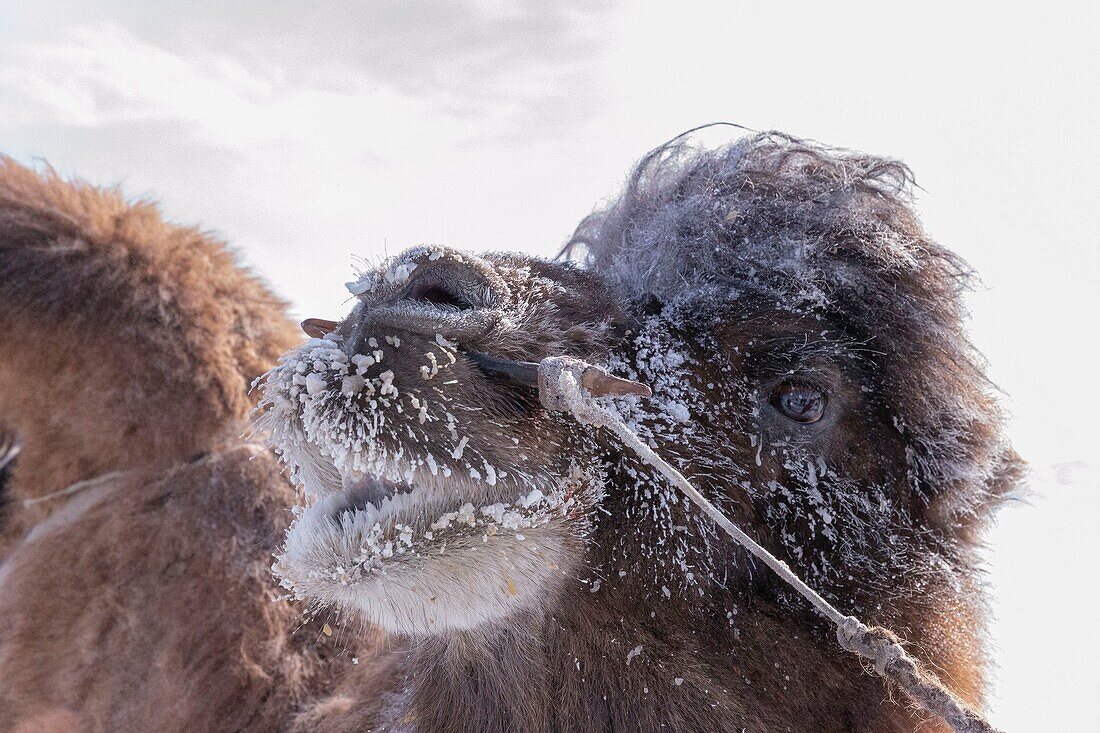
(144,602)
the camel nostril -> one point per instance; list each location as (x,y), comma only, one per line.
(458,297)
(447,289)
(437,294)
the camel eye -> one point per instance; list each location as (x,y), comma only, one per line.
(799,401)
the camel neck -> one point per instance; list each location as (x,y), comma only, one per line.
(486,680)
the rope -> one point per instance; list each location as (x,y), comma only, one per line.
(253,446)
(74,488)
(560,390)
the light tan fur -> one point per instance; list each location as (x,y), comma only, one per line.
(145,601)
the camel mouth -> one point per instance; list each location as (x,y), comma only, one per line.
(370,492)
(389,503)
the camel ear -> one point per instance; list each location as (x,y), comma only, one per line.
(318,327)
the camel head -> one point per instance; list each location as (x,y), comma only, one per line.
(811,375)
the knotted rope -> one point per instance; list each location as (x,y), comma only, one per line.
(560,382)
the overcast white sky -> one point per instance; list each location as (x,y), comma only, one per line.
(306,133)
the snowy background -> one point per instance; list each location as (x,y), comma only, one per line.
(305,137)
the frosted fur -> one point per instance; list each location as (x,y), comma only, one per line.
(824,233)
(768,213)
(335,416)
(812,511)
